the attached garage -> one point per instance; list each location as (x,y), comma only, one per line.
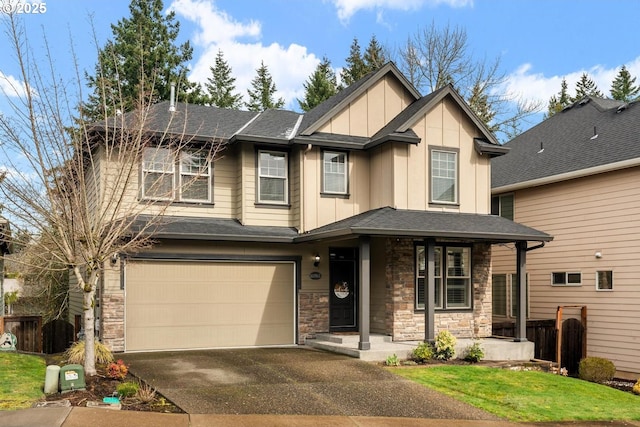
(172,305)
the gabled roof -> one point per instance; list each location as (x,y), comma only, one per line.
(388,221)
(591,136)
(319,115)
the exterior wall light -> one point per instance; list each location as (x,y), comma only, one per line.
(316,260)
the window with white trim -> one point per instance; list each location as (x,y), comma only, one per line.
(272,177)
(193,180)
(563,278)
(334,170)
(604,280)
(444,176)
(452,277)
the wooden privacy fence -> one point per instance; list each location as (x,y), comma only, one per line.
(541,332)
(27,329)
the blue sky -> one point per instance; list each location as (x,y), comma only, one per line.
(539,42)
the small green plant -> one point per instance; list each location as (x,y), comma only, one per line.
(117,370)
(423,352)
(392,360)
(474,353)
(146,393)
(75,353)
(127,389)
(445,345)
(596,369)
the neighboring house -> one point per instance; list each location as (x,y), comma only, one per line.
(5,248)
(368,214)
(576,175)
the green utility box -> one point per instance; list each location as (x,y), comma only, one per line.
(72,378)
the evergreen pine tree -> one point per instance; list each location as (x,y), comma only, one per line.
(586,87)
(479,103)
(558,102)
(141,58)
(355,68)
(374,56)
(320,86)
(623,87)
(221,85)
(261,97)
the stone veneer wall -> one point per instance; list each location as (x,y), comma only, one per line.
(313,314)
(405,323)
(112,305)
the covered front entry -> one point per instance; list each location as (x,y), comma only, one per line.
(343,289)
(174,305)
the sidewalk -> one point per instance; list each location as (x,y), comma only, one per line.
(96,417)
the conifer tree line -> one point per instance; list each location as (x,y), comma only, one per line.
(623,88)
(143,57)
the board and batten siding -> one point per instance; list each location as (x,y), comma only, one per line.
(599,213)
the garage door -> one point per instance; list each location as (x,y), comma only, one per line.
(188,305)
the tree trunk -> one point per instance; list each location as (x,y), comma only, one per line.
(88,294)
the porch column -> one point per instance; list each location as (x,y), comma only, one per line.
(430,290)
(521,292)
(364,303)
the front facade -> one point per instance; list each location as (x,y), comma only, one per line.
(368,214)
(576,176)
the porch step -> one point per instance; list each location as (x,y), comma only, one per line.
(350,338)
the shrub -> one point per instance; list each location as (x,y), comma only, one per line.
(75,353)
(474,353)
(636,388)
(392,360)
(146,393)
(127,389)
(596,369)
(423,352)
(445,345)
(117,370)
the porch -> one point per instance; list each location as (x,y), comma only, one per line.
(382,346)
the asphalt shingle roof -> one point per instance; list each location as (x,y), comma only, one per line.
(388,221)
(591,133)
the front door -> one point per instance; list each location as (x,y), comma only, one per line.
(343,289)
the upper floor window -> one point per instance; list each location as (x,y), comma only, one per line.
(452,277)
(273,177)
(444,176)
(334,169)
(503,206)
(159,180)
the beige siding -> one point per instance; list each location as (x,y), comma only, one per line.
(378,288)
(447,126)
(381,172)
(372,110)
(324,209)
(587,215)
(75,298)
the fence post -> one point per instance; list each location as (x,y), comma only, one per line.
(559,337)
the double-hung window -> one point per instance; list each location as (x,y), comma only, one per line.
(444,176)
(177,176)
(273,177)
(452,277)
(505,297)
(158,170)
(503,206)
(334,169)
(195,176)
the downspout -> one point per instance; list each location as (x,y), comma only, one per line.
(302,197)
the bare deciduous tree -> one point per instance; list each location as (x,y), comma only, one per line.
(73,184)
(435,57)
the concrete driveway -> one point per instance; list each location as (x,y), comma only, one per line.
(292,381)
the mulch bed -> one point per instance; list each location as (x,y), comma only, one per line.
(99,386)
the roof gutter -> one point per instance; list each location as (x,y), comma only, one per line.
(566,176)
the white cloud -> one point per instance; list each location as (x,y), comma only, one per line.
(11,87)
(347,8)
(240,43)
(530,85)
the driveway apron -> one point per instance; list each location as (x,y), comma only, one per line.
(289,381)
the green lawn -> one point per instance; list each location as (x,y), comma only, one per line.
(21,380)
(527,396)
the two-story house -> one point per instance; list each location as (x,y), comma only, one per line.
(577,176)
(368,214)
